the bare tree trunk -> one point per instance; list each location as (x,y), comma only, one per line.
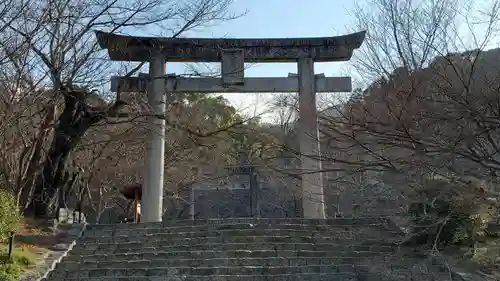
(72,124)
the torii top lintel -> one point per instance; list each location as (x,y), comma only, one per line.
(321,49)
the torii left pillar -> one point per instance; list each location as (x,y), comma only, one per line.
(313,202)
(152,193)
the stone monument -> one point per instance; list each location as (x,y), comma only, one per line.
(232,53)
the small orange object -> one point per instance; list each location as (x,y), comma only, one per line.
(134,192)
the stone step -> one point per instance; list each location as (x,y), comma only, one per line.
(224,239)
(239,239)
(85,263)
(184,228)
(110,231)
(164,234)
(144,228)
(268,221)
(152,246)
(204,271)
(316,238)
(154,255)
(282,277)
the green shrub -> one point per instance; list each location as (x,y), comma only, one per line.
(11,270)
(450,214)
(9,214)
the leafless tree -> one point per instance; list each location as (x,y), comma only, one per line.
(62,63)
(428,103)
(417,72)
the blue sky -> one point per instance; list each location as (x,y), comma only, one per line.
(292,18)
(279,18)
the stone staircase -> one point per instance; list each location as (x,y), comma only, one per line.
(243,250)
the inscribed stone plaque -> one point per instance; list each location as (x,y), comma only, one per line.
(233,67)
(128,84)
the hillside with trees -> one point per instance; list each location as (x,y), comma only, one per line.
(425,125)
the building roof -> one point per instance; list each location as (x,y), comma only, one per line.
(322,49)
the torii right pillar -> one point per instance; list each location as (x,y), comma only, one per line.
(313,203)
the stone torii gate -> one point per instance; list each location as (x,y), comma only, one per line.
(232,53)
